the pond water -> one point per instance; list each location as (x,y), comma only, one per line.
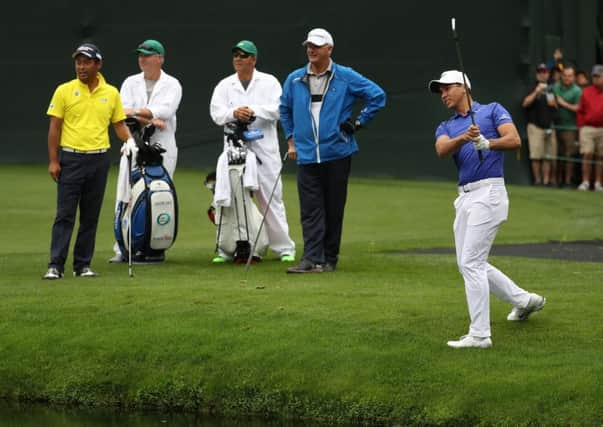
(12,415)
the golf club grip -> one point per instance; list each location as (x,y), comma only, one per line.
(479,152)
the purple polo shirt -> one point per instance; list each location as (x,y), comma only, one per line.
(488,117)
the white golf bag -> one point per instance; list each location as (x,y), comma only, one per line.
(153,210)
(236,216)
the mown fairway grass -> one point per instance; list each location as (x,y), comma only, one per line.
(366,344)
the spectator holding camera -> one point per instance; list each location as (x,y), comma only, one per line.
(316,115)
(541,111)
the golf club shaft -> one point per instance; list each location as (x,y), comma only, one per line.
(462,67)
(255,241)
(130,207)
(219,228)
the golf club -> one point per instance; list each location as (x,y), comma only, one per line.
(255,241)
(130,207)
(462,67)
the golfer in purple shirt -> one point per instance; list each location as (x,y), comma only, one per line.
(482,205)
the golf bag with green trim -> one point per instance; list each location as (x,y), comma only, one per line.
(154,204)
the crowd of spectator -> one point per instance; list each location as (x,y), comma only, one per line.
(564,116)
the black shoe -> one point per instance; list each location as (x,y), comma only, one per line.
(329,267)
(306,266)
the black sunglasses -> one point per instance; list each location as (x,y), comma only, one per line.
(240,54)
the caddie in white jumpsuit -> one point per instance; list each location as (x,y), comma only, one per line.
(482,205)
(246,94)
(153,96)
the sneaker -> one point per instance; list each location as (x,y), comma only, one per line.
(468,341)
(287,258)
(117,258)
(598,186)
(329,267)
(52,274)
(218,260)
(585,186)
(306,266)
(85,272)
(536,303)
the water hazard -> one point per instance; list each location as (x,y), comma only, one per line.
(12,415)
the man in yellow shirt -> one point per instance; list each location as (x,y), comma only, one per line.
(78,139)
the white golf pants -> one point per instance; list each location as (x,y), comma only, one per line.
(481,208)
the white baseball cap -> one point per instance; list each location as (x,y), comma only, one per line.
(447,78)
(319,37)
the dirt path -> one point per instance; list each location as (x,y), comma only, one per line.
(581,250)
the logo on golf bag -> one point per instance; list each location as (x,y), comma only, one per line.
(163,219)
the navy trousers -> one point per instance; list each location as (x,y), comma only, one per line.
(322,189)
(81,183)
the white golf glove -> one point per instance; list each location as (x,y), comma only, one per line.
(481,143)
(129,147)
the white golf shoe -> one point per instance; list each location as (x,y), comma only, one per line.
(536,303)
(52,274)
(85,272)
(117,258)
(468,341)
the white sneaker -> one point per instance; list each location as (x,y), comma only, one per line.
(52,274)
(536,303)
(598,186)
(584,186)
(468,341)
(85,272)
(117,258)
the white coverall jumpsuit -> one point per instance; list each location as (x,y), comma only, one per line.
(163,102)
(263,97)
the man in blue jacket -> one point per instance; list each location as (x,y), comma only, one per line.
(316,116)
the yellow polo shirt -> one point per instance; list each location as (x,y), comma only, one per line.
(86,115)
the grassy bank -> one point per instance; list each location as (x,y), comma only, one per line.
(363,345)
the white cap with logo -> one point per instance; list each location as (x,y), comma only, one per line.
(447,78)
(319,37)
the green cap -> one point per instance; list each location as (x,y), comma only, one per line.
(151,47)
(246,46)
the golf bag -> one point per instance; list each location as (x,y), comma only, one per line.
(233,211)
(154,204)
